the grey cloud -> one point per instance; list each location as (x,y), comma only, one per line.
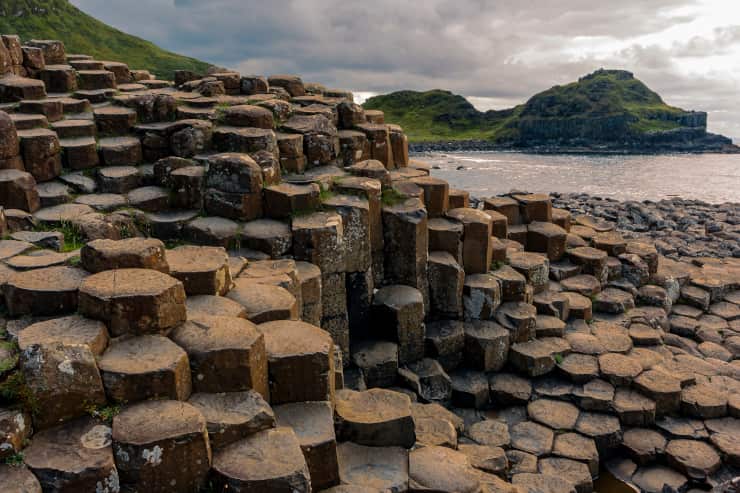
(503,49)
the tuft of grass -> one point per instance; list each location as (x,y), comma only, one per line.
(15,460)
(74,239)
(497,264)
(390,197)
(558,358)
(105,413)
(14,390)
(10,362)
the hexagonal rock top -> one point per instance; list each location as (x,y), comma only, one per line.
(46,291)
(270,460)
(201,269)
(72,329)
(376,418)
(133,301)
(131,253)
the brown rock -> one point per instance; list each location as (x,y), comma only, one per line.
(69,330)
(152,439)
(145,367)
(300,362)
(376,417)
(132,253)
(133,301)
(63,382)
(233,416)
(76,456)
(48,291)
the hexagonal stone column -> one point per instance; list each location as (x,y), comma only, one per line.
(313,424)
(547,238)
(41,153)
(591,260)
(69,330)
(270,460)
(486,345)
(446,279)
(202,270)
(268,236)
(533,266)
(287,199)
(131,253)
(481,296)
(226,354)
(534,207)
(133,301)
(300,362)
(505,206)
(233,187)
(145,367)
(446,235)
(63,382)
(18,190)
(233,416)
(264,302)
(477,230)
(376,418)
(398,314)
(48,291)
(406,244)
(158,444)
(76,456)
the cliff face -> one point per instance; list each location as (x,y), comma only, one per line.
(607,110)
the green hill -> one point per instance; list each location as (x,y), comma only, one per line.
(602,108)
(58,19)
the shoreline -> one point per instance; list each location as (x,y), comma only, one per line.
(482,146)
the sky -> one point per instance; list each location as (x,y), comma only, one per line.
(497,53)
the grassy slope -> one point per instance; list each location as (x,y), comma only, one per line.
(440,115)
(58,19)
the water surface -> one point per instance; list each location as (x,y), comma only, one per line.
(710,177)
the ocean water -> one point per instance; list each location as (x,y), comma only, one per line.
(714,178)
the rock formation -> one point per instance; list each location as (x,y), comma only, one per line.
(243,283)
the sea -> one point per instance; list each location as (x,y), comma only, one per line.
(713,178)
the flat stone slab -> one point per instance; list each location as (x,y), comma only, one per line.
(202,270)
(47,291)
(376,417)
(131,253)
(379,468)
(532,437)
(145,367)
(72,329)
(233,416)
(270,460)
(555,414)
(133,301)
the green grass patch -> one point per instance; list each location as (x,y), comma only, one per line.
(390,197)
(105,413)
(83,34)
(74,239)
(15,460)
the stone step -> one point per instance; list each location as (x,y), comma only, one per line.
(114,120)
(79,152)
(70,129)
(26,121)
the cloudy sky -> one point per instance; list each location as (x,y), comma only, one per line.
(495,52)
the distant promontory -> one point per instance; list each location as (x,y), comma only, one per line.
(605,111)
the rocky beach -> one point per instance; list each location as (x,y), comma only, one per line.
(234,282)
